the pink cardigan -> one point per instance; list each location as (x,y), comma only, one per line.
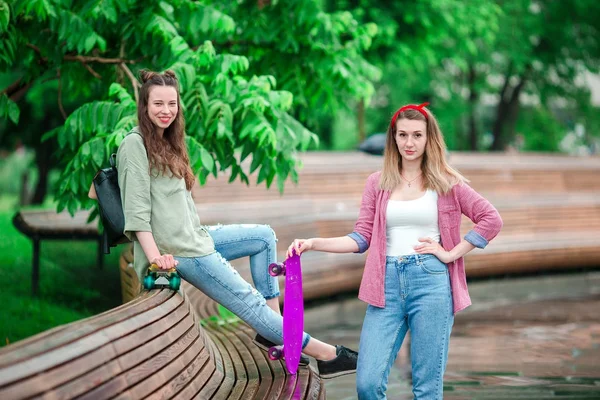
(370,232)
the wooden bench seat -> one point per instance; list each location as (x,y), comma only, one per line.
(538,234)
(41,225)
(335,218)
(38,365)
(247,359)
(333,182)
(572,212)
(553,232)
(330,185)
(151,347)
(344,174)
(241,369)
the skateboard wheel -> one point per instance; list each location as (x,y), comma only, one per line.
(275,353)
(276,269)
(148,282)
(175,282)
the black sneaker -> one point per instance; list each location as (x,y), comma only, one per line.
(266,344)
(343,364)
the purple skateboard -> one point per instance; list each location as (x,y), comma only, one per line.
(293,313)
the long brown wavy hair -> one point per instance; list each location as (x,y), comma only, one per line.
(168,151)
(438,175)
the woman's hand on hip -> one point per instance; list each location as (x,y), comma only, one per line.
(300,246)
(166,261)
(429,246)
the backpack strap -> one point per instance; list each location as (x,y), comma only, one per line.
(113,160)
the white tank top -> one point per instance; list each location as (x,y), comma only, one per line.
(407,221)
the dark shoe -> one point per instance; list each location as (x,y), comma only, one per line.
(343,364)
(266,344)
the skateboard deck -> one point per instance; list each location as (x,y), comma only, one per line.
(293,313)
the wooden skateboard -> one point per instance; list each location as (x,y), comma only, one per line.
(293,313)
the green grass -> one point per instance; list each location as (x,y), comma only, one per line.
(71,285)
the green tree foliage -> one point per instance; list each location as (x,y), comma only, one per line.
(426,50)
(317,56)
(464,56)
(235,110)
(543,50)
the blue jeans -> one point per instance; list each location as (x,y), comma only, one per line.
(217,278)
(417,297)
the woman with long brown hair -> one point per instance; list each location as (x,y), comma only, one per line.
(414,277)
(155,179)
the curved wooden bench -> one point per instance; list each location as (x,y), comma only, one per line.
(343,175)
(547,203)
(249,373)
(332,183)
(543,232)
(151,347)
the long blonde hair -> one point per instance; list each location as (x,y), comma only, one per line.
(438,175)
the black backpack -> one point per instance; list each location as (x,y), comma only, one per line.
(106,184)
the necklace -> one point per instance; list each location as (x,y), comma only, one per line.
(412,180)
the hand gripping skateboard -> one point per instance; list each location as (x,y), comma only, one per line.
(161,278)
(293,313)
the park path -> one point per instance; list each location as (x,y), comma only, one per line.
(524,338)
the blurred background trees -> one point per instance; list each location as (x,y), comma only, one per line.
(498,73)
(264,79)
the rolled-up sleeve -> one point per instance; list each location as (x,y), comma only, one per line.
(363,245)
(134,183)
(363,229)
(488,222)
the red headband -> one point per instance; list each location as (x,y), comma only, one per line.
(419,108)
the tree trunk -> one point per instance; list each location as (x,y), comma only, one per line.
(506,119)
(473,99)
(514,106)
(501,114)
(499,141)
(508,111)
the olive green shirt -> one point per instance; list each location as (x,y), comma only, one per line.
(157,203)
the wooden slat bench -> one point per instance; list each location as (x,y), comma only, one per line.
(546,233)
(539,197)
(151,347)
(333,183)
(343,175)
(41,225)
(256,376)
(554,231)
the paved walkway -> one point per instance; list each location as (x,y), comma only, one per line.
(528,338)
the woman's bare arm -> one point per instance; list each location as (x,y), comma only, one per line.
(341,244)
(165,261)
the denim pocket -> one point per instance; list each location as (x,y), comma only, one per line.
(432,265)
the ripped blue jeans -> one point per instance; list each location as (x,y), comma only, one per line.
(217,278)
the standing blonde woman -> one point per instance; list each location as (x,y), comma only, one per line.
(414,276)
